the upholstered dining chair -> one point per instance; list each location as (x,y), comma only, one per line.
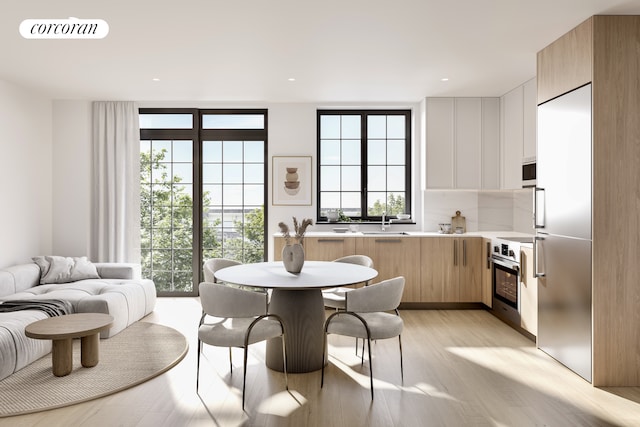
(367,316)
(234,317)
(334,297)
(212,265)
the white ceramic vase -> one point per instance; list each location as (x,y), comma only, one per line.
(293,258)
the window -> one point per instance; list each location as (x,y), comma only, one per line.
(202,192)
(364,164)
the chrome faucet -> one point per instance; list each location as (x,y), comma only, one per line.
(382,226)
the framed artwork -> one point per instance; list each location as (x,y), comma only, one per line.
(291,180)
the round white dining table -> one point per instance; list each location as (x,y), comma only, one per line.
(297,298)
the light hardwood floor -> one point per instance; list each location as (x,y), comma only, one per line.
(461,368)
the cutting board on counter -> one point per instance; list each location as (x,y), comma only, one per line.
(458,221)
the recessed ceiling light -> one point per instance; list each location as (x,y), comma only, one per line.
(444,79)
(292,79)
(155,79)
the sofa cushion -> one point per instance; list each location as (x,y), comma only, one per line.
(58,269)
(18,278)
(16,349)
(126,300)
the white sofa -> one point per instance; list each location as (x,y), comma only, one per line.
(120,291)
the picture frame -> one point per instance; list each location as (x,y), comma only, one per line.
(291,180)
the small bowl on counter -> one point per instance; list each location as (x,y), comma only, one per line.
(340,229)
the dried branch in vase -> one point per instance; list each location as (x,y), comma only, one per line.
(300,229)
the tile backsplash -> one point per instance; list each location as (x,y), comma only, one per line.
(505,210)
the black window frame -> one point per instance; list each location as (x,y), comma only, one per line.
(364,114)
(197,135)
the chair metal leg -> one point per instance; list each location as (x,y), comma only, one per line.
(244,375)
(198,364)
(370,366)
(230,362)
(362,353)
(401,368)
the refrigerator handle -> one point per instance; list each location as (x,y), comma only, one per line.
(538,211)
(536,273)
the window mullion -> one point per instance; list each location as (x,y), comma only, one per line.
(364,170)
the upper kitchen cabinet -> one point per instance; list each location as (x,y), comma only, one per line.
(463,137)
(566,63)
(518,109)
(529,120)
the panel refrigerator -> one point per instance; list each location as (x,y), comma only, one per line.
(562,211)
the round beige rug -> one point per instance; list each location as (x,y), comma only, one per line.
(140,352)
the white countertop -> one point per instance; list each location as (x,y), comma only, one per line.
(394,233)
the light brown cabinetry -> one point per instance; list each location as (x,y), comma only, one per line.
(528,292)
(487,279)
(566,64)
(436,269)
(451,269)
(392,257)
(604,51)
(320,248)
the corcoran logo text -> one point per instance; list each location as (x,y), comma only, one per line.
(70,28)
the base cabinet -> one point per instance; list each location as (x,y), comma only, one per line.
(394,257)
(320,248)
(436,269)
(451,269)
(487,279)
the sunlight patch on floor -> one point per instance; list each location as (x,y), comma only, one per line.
(431,391)
(282,404)
(545,375)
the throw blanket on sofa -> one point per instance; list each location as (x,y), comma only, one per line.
(53,307)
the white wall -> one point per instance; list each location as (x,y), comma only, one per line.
(499,210)
(292,132)
(71,177)
(25,175)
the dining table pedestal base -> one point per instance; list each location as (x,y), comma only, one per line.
(302,312)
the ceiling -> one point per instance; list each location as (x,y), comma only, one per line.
(338,51)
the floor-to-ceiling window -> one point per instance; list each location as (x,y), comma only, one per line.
(203,192)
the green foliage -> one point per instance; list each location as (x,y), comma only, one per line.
(394,206)
(248,246)
(167,228)
(342,217)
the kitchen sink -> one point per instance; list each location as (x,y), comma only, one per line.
(386,233)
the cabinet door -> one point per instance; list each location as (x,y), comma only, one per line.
(528,292)
(328,248)
(440,134)
(438,272)
(567,63)
(394,257)
(490,167)
(512,114)
(470,269)
(530,108)
(487,284)
(320,248)
(468,142)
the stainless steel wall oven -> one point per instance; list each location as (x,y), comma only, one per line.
(505,272)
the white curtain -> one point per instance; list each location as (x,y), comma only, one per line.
(115,224)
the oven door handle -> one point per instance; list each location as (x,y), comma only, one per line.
(508,264)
